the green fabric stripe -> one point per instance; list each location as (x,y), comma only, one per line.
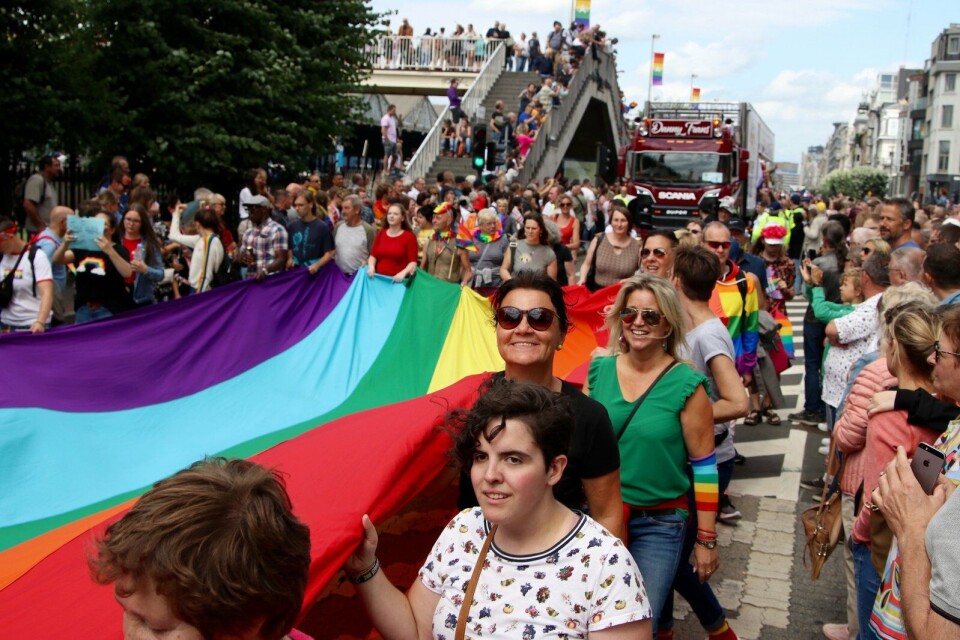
(403,370)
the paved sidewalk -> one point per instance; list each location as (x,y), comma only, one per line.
(762,583)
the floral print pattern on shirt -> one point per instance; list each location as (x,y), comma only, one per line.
(585,582)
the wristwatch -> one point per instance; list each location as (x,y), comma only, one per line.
(707,544)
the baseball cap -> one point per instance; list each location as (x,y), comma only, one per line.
(257,201)
(774,206)
(795,198)
(736,224)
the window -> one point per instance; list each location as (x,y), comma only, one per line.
(953,45)
(917,130)
(943,160)
(950,82)
(946,116)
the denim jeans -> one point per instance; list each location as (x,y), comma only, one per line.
(798,280)
(813,336)
(700,596)
(656,544)
(86,314)
(868,583)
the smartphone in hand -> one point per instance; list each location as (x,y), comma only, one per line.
(927,464)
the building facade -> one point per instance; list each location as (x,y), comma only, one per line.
(941,148)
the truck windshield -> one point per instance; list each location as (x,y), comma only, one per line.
(682,168)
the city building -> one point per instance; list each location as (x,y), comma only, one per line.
(788,175)
(813,167)
(941,146)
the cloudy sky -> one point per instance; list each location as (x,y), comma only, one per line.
(803,63)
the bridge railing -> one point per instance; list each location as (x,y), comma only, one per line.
(471,101)
(429,53)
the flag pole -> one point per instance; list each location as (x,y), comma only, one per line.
(653,45)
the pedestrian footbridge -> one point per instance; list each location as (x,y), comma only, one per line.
(588,116)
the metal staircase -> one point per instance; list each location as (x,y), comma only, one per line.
(596,79)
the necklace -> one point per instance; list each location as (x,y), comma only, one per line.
(440,240)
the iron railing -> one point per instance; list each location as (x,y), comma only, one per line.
(469,104)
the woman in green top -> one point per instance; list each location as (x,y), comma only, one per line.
(663,421)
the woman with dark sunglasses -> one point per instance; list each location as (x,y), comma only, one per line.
(664,422)
(656,257)
(531,323)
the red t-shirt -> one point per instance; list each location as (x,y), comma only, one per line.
(131,244)
(393,254)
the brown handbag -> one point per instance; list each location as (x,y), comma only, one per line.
(823,523)
(472,586)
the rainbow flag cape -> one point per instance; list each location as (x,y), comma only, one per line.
(695,94)
(657,69)
(338,383)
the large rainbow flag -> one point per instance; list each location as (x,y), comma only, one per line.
(338,383)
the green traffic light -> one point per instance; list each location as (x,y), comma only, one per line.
(478,162)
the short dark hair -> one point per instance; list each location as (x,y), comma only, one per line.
(548,415)
(46,161)
(943,265)
(842,220)
(539,282)
(948,233)
(663,233)
(223,527)
(544,233)
(698,270)
(118,174)
(904,208)
(877,266)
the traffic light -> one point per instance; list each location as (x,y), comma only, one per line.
(606,162)
(479,147)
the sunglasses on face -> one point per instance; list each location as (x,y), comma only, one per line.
(660,253)
(650,317)
(566,204)
(539,318)
(713,244)
(938,352)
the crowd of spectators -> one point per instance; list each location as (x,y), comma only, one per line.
(465,49)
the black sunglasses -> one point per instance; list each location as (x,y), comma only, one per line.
(650,317)
(538,318)
(938,352)
(660,253)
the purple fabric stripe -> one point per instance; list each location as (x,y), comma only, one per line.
(196,341)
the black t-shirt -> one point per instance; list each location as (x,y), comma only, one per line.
(309,241)
(98,281)
(593,452)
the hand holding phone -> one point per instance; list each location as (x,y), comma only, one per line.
(927,464)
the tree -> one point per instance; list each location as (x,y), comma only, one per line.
(860,182)
(205,90)
(51,98)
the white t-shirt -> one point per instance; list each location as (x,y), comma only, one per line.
(245,197)
(390,123)
(586,582)
(705,342)
(352,249)
(24,306)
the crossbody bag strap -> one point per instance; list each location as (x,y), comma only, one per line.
(636,405)
(472,586)
(13,271)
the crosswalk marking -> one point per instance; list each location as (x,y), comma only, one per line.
(787,442)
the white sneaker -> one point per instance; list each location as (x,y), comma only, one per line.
(823,427)
(836,631)
(825,441)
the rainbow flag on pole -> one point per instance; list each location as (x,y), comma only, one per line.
(695,94)
(339,383)
(657,69)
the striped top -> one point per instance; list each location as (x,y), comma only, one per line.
(728,305)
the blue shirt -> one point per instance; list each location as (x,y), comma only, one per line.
(48,242)
(953,298)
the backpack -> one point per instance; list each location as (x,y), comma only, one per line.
(6,285)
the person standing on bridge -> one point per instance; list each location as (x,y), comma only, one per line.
(388,135)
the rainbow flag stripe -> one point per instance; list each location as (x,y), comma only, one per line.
(695,94)
(338,383)
(657,69)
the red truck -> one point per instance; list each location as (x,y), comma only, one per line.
(684,154)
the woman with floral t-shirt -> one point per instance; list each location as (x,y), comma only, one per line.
(548,572)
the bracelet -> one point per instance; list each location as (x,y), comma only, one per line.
(706,533)
(366,575)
